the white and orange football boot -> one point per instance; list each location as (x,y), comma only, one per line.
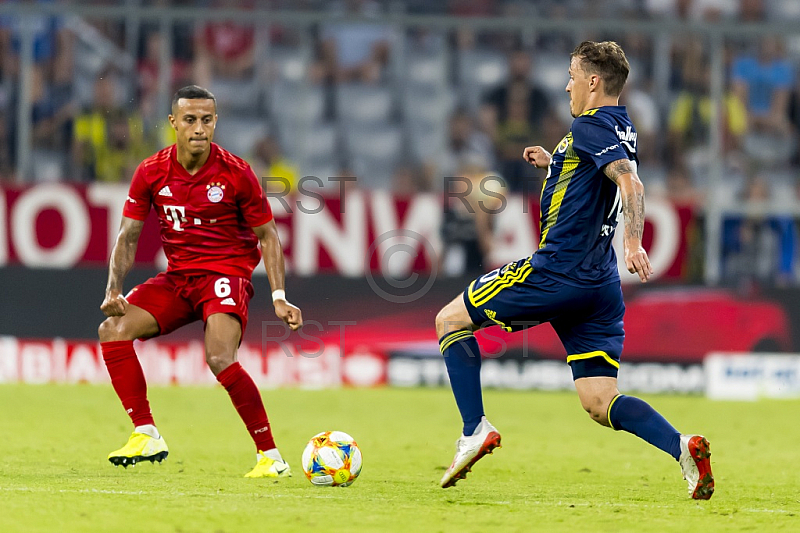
(696,466)
(469,450)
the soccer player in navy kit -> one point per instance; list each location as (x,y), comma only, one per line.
(572,279)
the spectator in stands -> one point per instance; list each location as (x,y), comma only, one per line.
(148,69)
(353,51)
(515,115)
(99,136)
(764,82)
(183,30)
(225,49)
(51,94)
(52,109)
(51,41)
(409,179)
(473,8)
(466,142)
(111,29)
(7,113)
(694,10)
(752,10)
(7,174)
(404,181)
(689,119)
(269,162)
(679,188)
(467,225)
(465,36)
(794,116)
(758,248)
(679,9)
(643,110)
(123,150)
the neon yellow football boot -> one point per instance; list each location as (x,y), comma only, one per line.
(268,467)
(140,447)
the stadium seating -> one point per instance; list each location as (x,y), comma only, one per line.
(374,154)
(240,133)
(363,105)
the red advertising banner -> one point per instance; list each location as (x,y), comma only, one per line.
(61,226)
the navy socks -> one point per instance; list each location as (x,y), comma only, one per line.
(636,416)
(463,360)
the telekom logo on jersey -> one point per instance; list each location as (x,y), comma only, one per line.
(176,215)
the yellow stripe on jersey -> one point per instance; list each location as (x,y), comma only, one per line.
(589,112)
(507,274)
(453,337)
(487,292)
(559,149)
(571,161)
(589,355)
(521,275)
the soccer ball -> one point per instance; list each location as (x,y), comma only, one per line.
(332,459)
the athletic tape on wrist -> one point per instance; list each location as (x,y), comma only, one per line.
(278,295)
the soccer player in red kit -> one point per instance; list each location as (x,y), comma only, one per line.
(213,215)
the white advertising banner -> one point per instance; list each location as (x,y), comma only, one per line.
(749,376)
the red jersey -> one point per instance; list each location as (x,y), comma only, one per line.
(206,219)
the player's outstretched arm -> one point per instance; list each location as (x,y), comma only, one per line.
(122,257)
(272,253)
(623,173)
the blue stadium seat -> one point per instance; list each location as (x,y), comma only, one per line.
(426,139)
(549,70)
(478,71)
(427,103)
(242,96)
(426,70)
(323,170)
(374,154)
(49,165)
(239,134)
(363,105)
(297,103)
(288,64)
(318,146)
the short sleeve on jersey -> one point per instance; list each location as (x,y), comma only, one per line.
(251,199)
(597,140)
(137,204)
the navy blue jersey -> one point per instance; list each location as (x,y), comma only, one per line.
(579,204)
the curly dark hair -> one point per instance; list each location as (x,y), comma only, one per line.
(607,60)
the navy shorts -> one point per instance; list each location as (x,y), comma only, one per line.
(587,320)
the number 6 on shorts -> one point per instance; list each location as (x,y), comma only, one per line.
(222,287)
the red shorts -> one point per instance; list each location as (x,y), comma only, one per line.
(177,299)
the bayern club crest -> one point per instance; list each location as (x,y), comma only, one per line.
(215,192)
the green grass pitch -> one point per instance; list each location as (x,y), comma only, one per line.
(557,471)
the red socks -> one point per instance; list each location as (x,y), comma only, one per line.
(128,380)
(247,401)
